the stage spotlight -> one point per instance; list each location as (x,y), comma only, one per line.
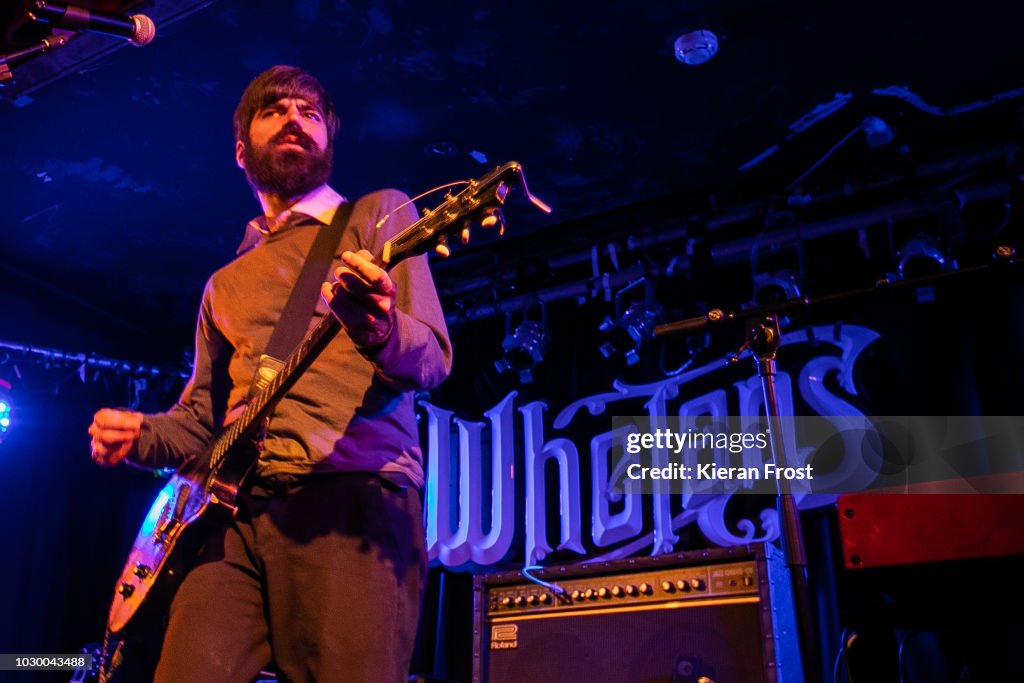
(630,332)
(523,350)
(774,288)
(921,256)
(5,409)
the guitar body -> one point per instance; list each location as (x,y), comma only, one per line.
(193,504)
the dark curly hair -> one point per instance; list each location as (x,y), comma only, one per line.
(278,82)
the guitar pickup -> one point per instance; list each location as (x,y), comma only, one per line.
(172,521)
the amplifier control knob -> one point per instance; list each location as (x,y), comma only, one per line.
(682,585)
(590,594)
(631,590)
(506,601)
(646,589)
(668,586)
(531,599)
(577,595)
(603,592)
(617,591)
(698,584)
(748,580)
(519,601)
(545,599)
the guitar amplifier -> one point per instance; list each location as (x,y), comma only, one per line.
(723,615)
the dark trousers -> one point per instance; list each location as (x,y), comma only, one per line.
(323,580)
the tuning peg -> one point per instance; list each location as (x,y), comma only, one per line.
(442,249)
(494,217)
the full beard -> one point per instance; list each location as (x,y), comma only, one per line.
(287,173)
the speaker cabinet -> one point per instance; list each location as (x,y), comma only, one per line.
(723,614)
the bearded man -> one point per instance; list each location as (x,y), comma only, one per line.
(320,572)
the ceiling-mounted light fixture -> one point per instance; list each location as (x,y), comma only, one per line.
(524,348)
(630,332)
(696,47)
(633,325)
(923,255)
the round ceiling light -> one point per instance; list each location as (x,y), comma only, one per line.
(696,47)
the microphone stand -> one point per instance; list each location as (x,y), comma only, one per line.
(45,45)
(763,337)
(761,326)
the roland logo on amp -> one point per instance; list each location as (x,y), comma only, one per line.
(504,637)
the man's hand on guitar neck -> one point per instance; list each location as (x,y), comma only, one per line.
(362,299)
(115,435)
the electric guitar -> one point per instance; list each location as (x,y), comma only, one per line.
(200,497)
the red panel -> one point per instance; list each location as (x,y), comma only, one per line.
(880,530)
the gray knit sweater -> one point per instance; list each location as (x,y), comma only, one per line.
(352,410)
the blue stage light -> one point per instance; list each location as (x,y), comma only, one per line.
(5,409)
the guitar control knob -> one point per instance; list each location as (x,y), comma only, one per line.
(141,570)
(125,590)
(631,590)
(698,584)
(603,592)
(617,591)
(682,585)
(645,589)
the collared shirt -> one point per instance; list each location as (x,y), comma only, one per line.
(320,205)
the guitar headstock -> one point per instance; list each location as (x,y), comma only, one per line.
(479,202)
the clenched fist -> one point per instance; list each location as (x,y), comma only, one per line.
(115,435)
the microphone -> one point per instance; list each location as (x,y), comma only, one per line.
(137,28)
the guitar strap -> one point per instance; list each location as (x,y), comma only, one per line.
(297,313)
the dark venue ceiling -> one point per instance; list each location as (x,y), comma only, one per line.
(120,194)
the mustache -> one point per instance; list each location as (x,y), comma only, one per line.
(300,137)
